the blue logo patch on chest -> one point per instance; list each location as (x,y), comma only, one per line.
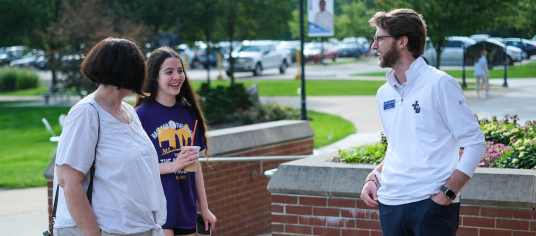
(389,105)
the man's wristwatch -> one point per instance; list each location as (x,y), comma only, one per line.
(448,192)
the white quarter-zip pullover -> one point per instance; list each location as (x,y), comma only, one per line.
(425,123)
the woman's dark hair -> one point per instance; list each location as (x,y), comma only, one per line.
(187,94)
(117,62)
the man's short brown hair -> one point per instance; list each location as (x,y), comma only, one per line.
(403,22)
(117,62)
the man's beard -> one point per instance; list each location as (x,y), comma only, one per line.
(390,57)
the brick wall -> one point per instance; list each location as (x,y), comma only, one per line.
(50,188)
(242,205)
(306,215)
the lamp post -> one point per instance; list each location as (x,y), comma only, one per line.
(505,84)
(521,52)
(302,37)
(464,85)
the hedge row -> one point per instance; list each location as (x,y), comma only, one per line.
(14,79)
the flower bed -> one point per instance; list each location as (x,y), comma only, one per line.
(508,146)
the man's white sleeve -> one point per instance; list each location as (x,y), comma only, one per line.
(461,123)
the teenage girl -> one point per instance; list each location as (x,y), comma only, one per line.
(169,113)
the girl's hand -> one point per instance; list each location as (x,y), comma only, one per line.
(185,158)
(208,217)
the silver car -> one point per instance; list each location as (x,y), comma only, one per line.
(452,54)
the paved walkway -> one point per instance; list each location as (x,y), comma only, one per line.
(24,212)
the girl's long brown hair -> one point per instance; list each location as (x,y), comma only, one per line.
(187,94)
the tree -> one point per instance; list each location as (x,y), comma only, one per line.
(454,17)
(68,39)
(20,19)
(161,15)
(246,19)
(525,17)
(353,20)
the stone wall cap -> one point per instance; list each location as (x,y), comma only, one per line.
(253,127)
(248,137)
(497,187)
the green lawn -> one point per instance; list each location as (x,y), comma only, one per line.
(25,148)
(278,87)
(27,92)
(313,87)
(329,62)
(325,124)
(523,71)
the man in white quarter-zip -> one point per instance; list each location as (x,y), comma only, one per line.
(426,120)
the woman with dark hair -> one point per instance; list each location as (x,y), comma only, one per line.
(104,143)
(171,116)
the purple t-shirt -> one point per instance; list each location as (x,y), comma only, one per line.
(170,128)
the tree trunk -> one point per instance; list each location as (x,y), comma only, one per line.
(207,55)
(231,32)
(438,47)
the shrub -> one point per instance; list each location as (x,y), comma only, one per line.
(270,112)
(498,132)
(221,103)
(15,78)
(9,79)
(507,146)
(369,154)
(521,156)
(27,80)
(493,153)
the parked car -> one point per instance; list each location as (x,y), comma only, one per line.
(200,59)
(349,49)
(362,42)
(256,56)
(30,59)
(185,50)
(291,46)
(225,47)
(311,52)
(11,53)
(526,45)
(514,54)
(479,37)
(452,54)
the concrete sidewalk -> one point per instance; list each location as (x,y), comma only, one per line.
(23,212)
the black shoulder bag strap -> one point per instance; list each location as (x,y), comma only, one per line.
(89,188)
(92,169)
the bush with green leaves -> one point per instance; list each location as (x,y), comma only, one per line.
(269,112)
(15,78)
(522,155)
(501,131)
(523,152)
(221,103)
(507,146)
(368,154)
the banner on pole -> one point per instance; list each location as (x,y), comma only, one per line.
(320,18)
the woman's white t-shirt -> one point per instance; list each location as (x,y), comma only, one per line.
(127,193)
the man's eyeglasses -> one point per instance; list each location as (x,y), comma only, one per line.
(378,39)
